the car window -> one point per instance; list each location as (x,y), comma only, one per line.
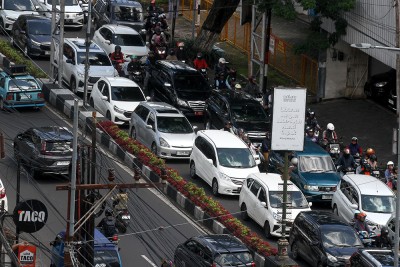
(120,93)
(254,188)
(142,112)
(345,188)
(69,52)
(176,125)
(354,195)
(209,151)
(261,195)
(339,236)
(22,5)
(190,82)
(2,82)
(249,181)
(127,13)
(128,40)
(192,246)
(100,85)
(105,91)
(316,164)
(248,112)
(199,143)
(38,27)
(106,33)
(95,59)
(235,157)
(151,120)
(234,259)
(295,199)
(378,204)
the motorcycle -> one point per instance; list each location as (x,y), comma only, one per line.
(160,51)
(137,75)
(123,218)
(334,150)
(368,239)
(343,171)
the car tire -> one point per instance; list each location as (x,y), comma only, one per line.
(243,212)
(91,102)
(72,85)
(336,210)
(154,148)
(108,115)
(267,230)
(132,134)
(295,251)
(192,171)
(215,187)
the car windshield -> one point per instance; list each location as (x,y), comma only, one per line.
(190,83)
(67,2)
(177,125)
(339,236)
(248,112)
(39,28)
(134,94)
(233,259)
(107,258)
(386,258)
(95,59)
(378,204)
(23,84)
(235,157)
(128,40)
(296,199)
(22,5)
(127,13)
(316,164)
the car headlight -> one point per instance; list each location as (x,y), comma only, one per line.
(331,258)
(81,75)
(35,43)
(224,176)
(163,143)
(182,103)
(11,18)
(277,216)
(311,187)
(117,109)
(380,84)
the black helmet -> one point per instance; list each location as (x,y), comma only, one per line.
(117,48)
(309,129)
(199,55)
(364,162)
(108,212)
(385,231)
(172,52)
(158,30)
(373,157)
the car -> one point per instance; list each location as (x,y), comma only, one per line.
(261,200)
(222,160)
(241,110)
(18,88)
(382,87)
(164,129)
(74,57)
(366,194)
(372,257)
(11,10)
(73,18)
(315,173)
(106,253)
(121,12)
(213,250)
(179,85)
(46,149)
(116,98)
(322,239)
(32,34)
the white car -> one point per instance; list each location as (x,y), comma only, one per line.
(261,199)
(74,57)
(366,194)
(222,160)
(11,9)
(74,16)
(116,98)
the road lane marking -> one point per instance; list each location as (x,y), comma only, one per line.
(149,261)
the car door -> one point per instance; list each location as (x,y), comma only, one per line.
(96,94)
(104,35)
(16,32)
(104,104)
(140,124)
(26,146)
(252,200)
(210,169)
(23,33)
(349,197)
(68,54)
(222,115)
(148,134)
(306,244)
(261,210)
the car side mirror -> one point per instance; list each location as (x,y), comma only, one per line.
(37,7)
(148,126)
(104,97)
(167,84)
(310,204)
(264,204)
(148,98)
(354,206)
(195,129)
(210,161)
(107,42)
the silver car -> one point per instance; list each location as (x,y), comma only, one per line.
(162,128)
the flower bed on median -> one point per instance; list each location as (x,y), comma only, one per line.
(196,194)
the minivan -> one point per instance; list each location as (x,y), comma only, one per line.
(222,160)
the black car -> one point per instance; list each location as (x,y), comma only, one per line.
(372,257)
(44,149)
(323,240)
(180,85)
(382,87)
(213,250)
(32,34)
(240,109)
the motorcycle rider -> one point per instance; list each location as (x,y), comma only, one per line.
(360,224)
(310,135)
(267,101)
(364,168)
(311,120)
(108,224)
(181,52)
(252,88)
(228,127)
(329,136)
(221,68)
(383,241)
(369,152)
(355,148)
(150,63)
(199,62)
(117,58)
(265,144)
(133,66)
(171,55)
(390,175)
(158,38)
(238,87)
(346,161)
(373,161)
(220,82)
(120,201)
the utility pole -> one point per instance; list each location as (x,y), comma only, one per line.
(193,19)
(56,70)
(264,81)
(87,43)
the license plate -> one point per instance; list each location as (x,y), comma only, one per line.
(327,196)
(391,102)
(69,20)
(126,217)
(183,153)
(198,113)
(62,163)
(25,97)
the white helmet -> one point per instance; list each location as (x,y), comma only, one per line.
(294,161)
(238,86)
(330,127)
(390,163)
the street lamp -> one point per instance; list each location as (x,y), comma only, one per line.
(397,221)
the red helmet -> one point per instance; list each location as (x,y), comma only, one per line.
(361,215)
(370,152)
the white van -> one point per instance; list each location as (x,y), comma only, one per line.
(261,199)
(222,160)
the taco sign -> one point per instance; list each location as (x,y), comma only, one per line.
(30,216)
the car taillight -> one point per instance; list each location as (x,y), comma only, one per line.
(253,264)
(115,238)
(9,96)
(40,95)
(2,193)
(43,149)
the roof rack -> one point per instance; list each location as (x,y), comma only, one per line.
(12,69)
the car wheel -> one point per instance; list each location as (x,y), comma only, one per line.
(108,115)
(335,210)
(91,102)
(193,174)
(243,212)
(72,85)
(267,230)
(215,187)
(154,149)
(132,134)
(295,251)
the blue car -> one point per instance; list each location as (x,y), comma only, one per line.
(314,173)
(19,89)
(105,252)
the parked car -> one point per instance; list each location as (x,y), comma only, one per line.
(11,10)
(116,98)
(73,18)
(372,257)
(213,250)
(44,149)
(366,194)
(162,128)
(222,160)
(241,110)
(18,88)
(32,34)
(74,57)
(315,173)
(382,87)
(180,85)
(261,199)
(322,239)
(106,253)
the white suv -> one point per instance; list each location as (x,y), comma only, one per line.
(11,9)
(261,199)
(222,160)
(74,64)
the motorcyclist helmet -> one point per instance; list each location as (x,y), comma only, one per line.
(370,152)
(157,30)
(222,60)
(354,139)
(238,86)
(171,52)
(311,114)
(240,131)
(108,212)
(384,231)
(199,55)
(309,129)
(153,2)
(117,48)
(364,162)
(162,16)
(346,151)
(294,161)
(390,163)
(330,127)
(361,215)
(373,158)
(181,44)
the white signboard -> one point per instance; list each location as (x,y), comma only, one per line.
(289,108)
(272,45)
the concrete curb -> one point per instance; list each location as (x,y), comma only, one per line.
(62,100)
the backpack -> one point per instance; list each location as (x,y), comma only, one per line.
(109,226)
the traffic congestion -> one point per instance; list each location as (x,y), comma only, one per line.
(207,122)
